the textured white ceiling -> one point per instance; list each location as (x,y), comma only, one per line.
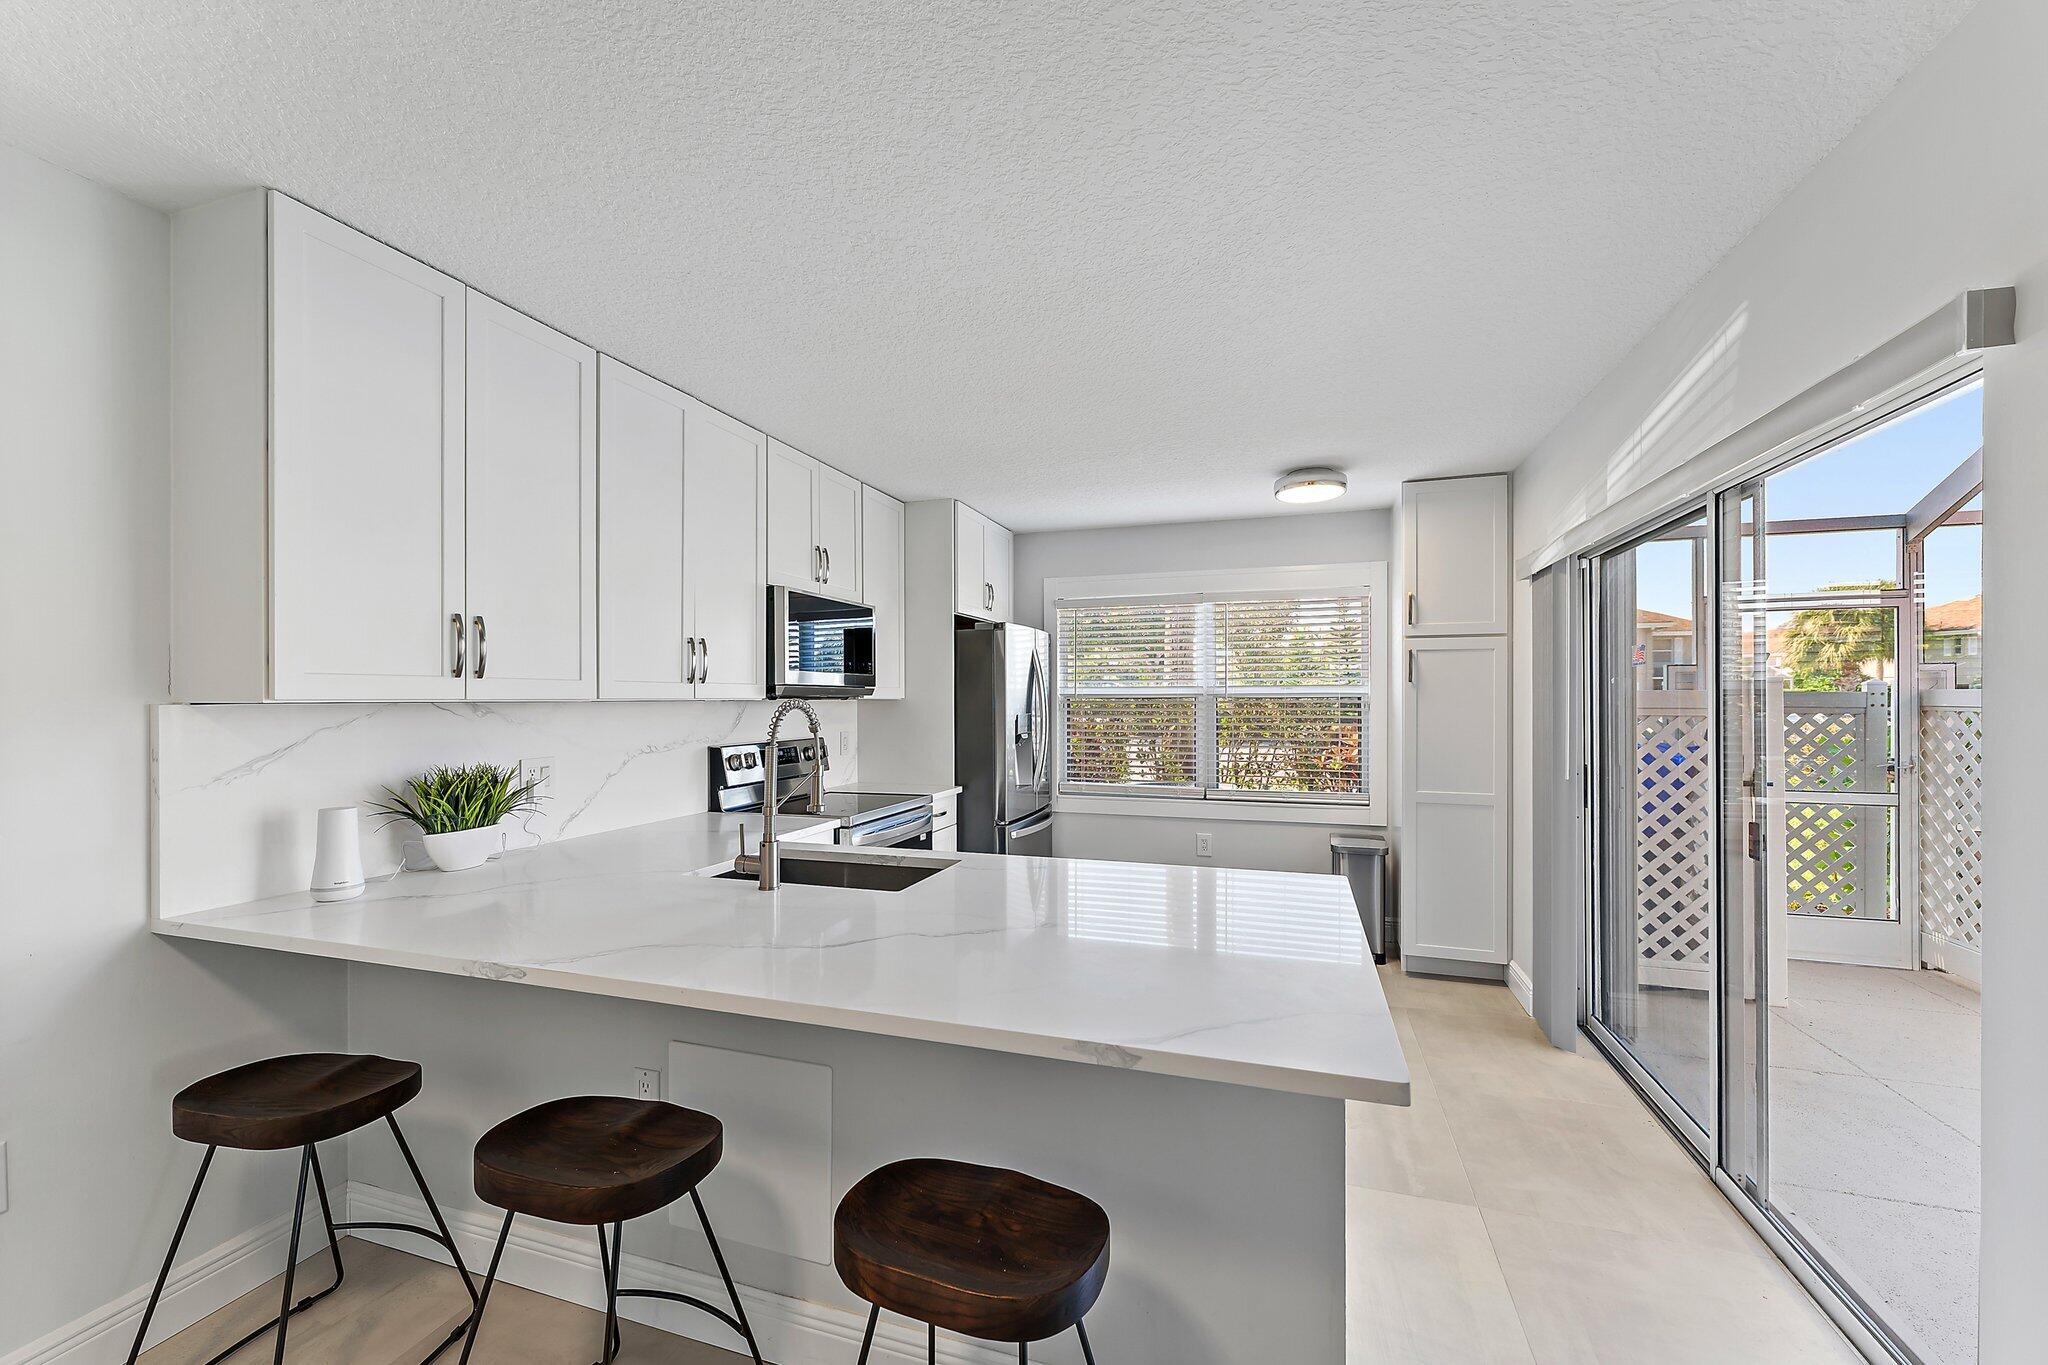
(1078,263)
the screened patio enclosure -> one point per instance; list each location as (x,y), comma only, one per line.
(1786,748)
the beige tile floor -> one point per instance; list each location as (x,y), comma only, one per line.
(1526,1208)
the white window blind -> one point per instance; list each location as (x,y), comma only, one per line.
(1254,696)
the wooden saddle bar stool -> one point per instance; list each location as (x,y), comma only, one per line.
(989,1253)
(596,1161)
(299,1101)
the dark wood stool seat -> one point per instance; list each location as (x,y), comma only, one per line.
(596,1159)
(601,1160)
(291,1101)
(987,1252)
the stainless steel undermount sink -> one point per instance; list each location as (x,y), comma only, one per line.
(848,870)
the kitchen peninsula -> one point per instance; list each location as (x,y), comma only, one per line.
(1175,1040)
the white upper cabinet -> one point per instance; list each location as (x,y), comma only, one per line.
(1455,555)
(793,559)
(725,509)
(839,508)
(367,526)
(532,508)
(682,534)
(385,484)
(813,525)
(998,547)
(881,574)
(981,566)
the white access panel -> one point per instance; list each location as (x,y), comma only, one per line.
(774,1187)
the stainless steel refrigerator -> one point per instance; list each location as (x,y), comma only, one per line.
(1002,735)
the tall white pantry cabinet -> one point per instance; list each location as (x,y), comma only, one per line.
(1454,615)
(386,482)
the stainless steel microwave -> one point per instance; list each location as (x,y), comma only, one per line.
(819,646)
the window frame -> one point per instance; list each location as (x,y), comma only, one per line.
(1369,578)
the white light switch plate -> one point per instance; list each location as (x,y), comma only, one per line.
(774,1186)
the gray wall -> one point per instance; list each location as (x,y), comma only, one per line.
(1941,189)
(101,1022)
(1252,543)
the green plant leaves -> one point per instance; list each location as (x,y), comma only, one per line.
(444,799)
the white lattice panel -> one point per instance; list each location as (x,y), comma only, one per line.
(1837,856)
(1951,822)
(1674,831)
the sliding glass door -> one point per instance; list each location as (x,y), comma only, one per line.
(1651,999)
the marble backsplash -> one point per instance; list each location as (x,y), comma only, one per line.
(235,789)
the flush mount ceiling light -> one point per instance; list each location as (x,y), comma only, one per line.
(1319,484)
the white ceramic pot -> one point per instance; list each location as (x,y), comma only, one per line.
(465,848)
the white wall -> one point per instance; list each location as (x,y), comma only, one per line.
(1941,189)
(101,1022)
(1251,543)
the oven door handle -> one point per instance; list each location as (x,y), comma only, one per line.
(896,832)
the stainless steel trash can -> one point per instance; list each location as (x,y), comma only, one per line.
(1361,859)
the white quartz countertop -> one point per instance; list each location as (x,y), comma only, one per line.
(1253,978)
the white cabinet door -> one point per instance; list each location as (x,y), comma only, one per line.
(1455,548)
(881,575)
(366,467)
(643,649)
(837,501)
(793,559)
(1454,851)
(970,563)
(725,504)
(946,840)
(532,508)
(999,571)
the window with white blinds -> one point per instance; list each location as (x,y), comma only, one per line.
(1252,695)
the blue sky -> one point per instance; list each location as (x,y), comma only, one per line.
(1882,472)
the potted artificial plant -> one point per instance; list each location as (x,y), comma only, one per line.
(458,810)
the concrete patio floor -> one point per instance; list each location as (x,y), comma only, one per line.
(1875,1147)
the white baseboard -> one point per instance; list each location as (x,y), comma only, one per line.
(562,1262)
(1524,989)
(197,1287)
(1957,959)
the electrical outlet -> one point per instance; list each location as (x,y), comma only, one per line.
(844,748)
(646,1083)
(541,771)
(1205,845)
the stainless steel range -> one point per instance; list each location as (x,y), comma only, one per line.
(866,819)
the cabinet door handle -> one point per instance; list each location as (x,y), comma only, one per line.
(480,657)
(1411,608)
(703,660)
(690,659)
(461,645)
(1411,668)
(827,553)
(817,564)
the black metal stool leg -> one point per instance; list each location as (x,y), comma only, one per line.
(291,1257)
(476,1317)
(171,1256)
(612,1257)
(327,1216)
(427,1196)
(738,1308)
(931,1343)
(1023,1354)
(867,1339)
(1087,1351)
